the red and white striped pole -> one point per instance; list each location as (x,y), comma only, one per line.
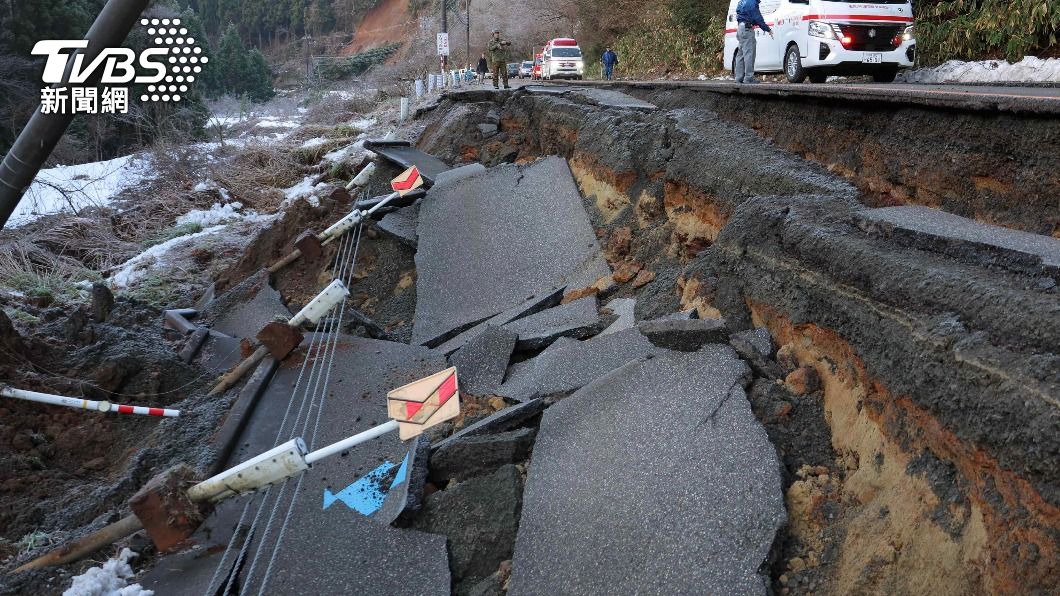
(86,404)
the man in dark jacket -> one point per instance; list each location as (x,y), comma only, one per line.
(482,68)
(748,16)
(610,59)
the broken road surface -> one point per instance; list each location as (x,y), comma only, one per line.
(657,478)
(489,242)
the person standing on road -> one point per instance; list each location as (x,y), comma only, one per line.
(748,16)
(610,59)
(482,68)
(498,52)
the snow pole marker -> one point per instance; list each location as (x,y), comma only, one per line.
(87,404)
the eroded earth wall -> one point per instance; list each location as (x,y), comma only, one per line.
(939,370)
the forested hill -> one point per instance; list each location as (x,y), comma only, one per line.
(268,21)
(236,33)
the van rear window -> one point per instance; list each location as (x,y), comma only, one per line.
(566,52)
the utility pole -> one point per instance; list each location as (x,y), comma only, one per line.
(305,46)
(468,39)
(445,29)
(37,140)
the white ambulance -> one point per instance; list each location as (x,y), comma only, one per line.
(562,59)
(818,38)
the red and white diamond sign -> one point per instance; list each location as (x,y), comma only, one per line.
(407,181)
(424,403)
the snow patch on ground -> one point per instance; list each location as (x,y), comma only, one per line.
(363,123)
(1028,70)
(109,579)
(344,152)
(303,188)
(73,188)
(137,267)
(216,214)
(277,122)
(314,142)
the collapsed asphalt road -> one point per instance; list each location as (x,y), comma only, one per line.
(508,287)
(687,366)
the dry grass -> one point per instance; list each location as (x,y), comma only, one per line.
(333,110)
(255,175)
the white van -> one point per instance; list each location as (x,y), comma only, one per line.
(819,38)
(562,59)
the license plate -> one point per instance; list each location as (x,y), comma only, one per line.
(872,58)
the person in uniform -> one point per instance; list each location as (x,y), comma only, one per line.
(498,53)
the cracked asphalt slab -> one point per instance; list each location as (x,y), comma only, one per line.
(962,237)
(569,364)
(336,548)
(673,488)
(526,221)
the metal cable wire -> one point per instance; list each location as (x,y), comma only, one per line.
(345,257)
(279,434)
(351,261)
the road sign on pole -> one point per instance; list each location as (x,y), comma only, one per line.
(424,403)
(407,181)
(443,44)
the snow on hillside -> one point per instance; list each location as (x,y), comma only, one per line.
(72,188)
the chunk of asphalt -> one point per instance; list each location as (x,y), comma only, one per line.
(532,305)
(489,241)
(507,419)
(401,154)
(965,239)
(578,319)
(684,315)
(487,130)
(350,552)
(567,366)
(456,174)
(479,455)
(405,498)
(607,98)
(547,89)
(482,362)
(624,308)
(480,517)
(242,311)
(758,340)
(757,351)
(684,336)
(402,224)
(653,466)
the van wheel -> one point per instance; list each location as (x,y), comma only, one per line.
(793,65)
(886,75)
(735,55)
(818,76)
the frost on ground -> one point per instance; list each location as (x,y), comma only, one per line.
(1028,70)
(109,579)
(73,188)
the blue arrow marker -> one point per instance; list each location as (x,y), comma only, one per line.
(366,495)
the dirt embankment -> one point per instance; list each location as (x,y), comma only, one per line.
(939,383)
(388,22)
